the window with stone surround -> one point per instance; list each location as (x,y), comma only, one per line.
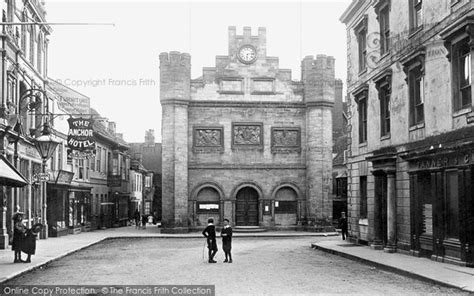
(461,74)
(361,33)
(382,8)
(383,83)
(361,98)
(416,14)
(414,68)
(363,197)
(415,86)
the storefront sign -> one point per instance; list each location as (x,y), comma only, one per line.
(64,177)
(445,161)
(81,134)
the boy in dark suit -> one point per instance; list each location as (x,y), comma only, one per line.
(210,234)
(343,225)
(226,235)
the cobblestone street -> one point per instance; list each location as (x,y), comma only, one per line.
(261,266)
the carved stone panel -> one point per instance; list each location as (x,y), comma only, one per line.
(286,139)
(247,135)
(208,139)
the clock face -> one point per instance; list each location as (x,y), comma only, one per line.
(247,54)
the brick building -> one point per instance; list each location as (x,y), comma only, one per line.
(244,141)
(411,127)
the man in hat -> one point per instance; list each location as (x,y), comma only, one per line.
(210,235)
(226,235)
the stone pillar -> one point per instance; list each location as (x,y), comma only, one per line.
(391,214)
(175,86)
(377,243)
(318,79)
(3,219)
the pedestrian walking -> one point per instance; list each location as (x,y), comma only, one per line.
(136,216)
(144,220)
(210,235)
(19,230)
(343,225)
(29,244)
(226,235)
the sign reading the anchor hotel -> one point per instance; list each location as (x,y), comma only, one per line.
(81,134)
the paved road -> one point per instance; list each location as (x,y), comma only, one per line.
(261,266)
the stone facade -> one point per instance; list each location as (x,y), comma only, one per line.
(244,141)
(417,71)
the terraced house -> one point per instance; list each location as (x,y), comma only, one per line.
(411,121)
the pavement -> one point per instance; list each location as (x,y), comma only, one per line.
(417,267)
(54,248)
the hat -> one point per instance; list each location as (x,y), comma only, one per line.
(36,228)
(16,215)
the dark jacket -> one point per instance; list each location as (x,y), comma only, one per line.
(343,223)
(226,235)
(210,234)
(29,244)
(18,236)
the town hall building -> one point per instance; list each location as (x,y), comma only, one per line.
(245,141)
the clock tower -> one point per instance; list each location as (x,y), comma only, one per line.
(245,141)
(245,48)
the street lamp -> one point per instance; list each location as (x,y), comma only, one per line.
(46,145)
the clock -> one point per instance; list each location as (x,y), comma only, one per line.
(247,54)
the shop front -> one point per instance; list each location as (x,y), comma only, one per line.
(442,203)
(69,209)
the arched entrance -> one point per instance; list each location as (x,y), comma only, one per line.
(246,210)
(208,205)
(286,206)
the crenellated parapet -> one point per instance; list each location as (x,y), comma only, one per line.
(318,77)
(175,76)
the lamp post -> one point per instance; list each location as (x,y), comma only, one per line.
(46,145)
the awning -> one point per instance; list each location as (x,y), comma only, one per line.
(9,176)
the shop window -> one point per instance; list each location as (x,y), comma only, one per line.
(363,197)
(426,200)
(452,205)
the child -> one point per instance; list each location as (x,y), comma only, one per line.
(226,235)
(210,234)
(343,225)
(18,236)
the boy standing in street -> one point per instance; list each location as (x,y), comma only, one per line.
(343,225)
(226,235)
(210,234)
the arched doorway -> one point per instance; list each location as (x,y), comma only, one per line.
(208,205)
(246,210)
(286,206)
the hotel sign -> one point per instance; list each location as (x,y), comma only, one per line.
(81,134)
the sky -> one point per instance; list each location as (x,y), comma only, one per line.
(116,63)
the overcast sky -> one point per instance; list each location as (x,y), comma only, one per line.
(118,66)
